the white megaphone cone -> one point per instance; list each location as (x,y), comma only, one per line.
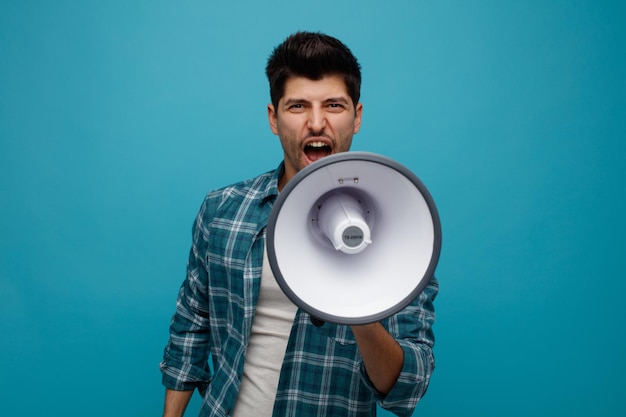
(353,238)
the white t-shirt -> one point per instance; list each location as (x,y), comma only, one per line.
(266,349)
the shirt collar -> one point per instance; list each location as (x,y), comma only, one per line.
(271,189)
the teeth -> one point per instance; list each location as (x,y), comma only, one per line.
(316,144)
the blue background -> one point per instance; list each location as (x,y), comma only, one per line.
(117,117)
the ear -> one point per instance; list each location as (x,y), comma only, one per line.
(358,111)
(272,117)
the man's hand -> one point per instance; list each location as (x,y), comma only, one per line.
(382,355)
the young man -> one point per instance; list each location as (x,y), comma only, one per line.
(268,357)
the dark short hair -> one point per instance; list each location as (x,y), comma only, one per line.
(312,55)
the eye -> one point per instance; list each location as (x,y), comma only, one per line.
(296,107)
(336,107)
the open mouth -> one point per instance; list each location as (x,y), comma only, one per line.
(317,150)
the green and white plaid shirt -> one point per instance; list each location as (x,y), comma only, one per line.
(322,373)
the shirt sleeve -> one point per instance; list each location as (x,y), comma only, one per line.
(412,329)
(185,360)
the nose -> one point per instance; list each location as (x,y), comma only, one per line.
(317,120)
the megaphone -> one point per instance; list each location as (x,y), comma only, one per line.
(353,238)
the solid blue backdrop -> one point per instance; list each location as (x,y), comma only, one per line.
(117,117)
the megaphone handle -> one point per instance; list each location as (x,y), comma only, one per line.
(317,322)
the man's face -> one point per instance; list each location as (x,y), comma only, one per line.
(313,119)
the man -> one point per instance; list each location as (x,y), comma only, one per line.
(268,357)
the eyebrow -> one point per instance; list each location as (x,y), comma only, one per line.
(339,99)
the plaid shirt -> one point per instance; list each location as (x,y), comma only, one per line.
(322,373)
